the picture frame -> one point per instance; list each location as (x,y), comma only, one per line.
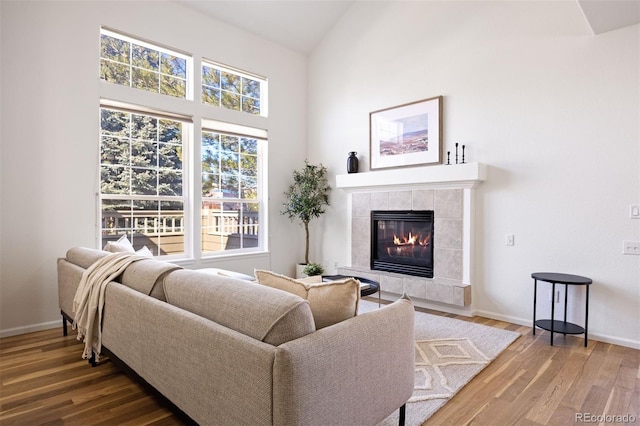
(406,135)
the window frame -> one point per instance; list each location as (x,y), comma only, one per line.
(261,137)
(191,109)
(189,80)
(186,169)
(243,74)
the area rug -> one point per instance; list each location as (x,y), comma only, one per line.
(449,353)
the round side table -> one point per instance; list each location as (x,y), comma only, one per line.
(553,325)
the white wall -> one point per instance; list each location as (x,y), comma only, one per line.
(50,97)
(552,110)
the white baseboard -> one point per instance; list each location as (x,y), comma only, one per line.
(634,344)
(527,322)
(31,328)
(450,309)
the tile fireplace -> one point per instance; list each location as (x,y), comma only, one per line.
(444,191)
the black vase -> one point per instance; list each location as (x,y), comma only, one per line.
(352,163)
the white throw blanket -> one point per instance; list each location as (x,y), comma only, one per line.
(89,298)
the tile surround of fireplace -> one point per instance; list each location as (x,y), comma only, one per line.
(448,191)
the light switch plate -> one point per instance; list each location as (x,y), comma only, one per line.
(631,247)
(509,240)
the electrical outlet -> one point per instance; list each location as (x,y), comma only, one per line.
(631,247)
(551,296)
(634,211)
(510,240)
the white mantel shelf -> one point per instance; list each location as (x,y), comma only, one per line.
(465,175)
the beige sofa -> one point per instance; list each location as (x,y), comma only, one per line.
(231,352)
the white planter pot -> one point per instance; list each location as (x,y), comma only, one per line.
(299,268)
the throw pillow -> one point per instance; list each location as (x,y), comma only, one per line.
(122,245)
(144,251)
(331,302)
(282,282)
(314,279)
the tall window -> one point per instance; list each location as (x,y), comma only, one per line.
(141,180)
(230,191)
(152,184)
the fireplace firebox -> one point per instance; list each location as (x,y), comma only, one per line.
(402,242)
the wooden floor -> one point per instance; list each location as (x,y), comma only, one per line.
(44,382)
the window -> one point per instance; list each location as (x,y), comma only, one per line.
(141,180)
(232,90)
(143,66)
(152,184)
(231,175)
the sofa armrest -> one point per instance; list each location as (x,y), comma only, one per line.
(355,372)
(69,275)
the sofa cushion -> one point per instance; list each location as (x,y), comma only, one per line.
(147,276)
(331,302)
(257,311)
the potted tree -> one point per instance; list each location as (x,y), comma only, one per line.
(307,198)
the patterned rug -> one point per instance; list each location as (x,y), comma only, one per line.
(449,353)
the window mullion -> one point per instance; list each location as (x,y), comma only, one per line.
(194,182)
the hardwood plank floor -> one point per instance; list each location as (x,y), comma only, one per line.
(43,381)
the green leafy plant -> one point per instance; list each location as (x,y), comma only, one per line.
(307,197)
(313,269)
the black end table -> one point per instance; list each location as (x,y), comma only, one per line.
(552,325)
(372,288)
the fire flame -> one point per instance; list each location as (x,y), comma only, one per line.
(411,240)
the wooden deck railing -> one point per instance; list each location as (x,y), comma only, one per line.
(167,229)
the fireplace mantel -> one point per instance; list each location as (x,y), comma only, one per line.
(466,175)
(449,191)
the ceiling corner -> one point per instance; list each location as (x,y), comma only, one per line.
(608,15)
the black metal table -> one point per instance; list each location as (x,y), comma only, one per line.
(553,325)
(372,288)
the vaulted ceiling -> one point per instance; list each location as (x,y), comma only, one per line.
(301,24)
(296,24)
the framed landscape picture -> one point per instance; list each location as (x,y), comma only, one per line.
(406,135)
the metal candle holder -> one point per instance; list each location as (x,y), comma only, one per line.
(449,155)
